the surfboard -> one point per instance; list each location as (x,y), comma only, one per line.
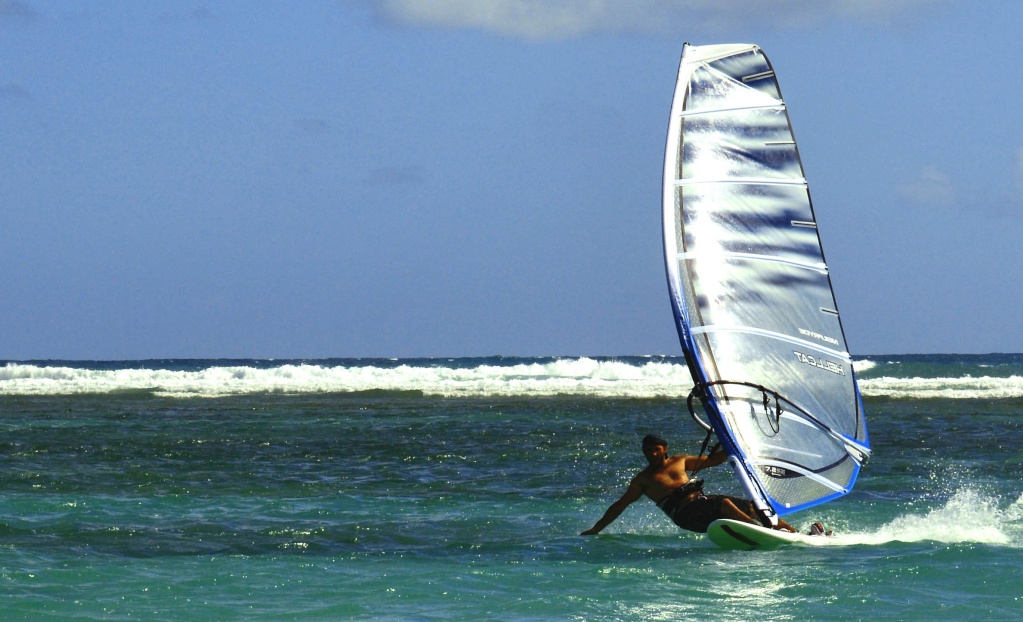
(738,536)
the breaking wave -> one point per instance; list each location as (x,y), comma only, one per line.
(571,376)
(630,377)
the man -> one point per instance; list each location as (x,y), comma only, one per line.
(666,481)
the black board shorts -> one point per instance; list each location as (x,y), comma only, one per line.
(698,513)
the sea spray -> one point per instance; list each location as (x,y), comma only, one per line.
(969,516)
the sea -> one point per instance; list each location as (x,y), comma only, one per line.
(456,489)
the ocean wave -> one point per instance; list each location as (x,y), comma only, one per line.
(634,378)
(864,365)
(968,387)
(576,376)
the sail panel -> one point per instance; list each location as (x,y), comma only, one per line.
(749,285)
(749,218)
(755,294)
(745,143)
(795,463)
(814,382)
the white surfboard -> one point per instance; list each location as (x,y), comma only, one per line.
(738,536)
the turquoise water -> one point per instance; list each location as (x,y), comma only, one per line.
(453,489)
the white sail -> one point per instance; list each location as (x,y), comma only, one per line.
(749,286)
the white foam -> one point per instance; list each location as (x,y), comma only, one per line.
(576,376)
(966,387)
(967,517)
(568,376)
(864,365)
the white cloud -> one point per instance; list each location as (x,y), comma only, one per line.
(930,187)
(559,19)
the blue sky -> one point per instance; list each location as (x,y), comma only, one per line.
(460,178)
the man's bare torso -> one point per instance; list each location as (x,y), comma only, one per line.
(658,482)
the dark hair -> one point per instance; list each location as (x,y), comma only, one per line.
(653,439)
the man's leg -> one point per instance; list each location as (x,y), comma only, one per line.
(730,510)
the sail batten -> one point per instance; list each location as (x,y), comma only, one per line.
(758,76)
(750,288)
(695,113)
(816,267)
(751,181)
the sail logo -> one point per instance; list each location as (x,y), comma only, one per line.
(815,335)
(826,365)
(777,472)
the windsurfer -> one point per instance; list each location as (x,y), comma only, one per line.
(666,481)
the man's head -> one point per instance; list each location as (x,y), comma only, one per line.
(655,449)
(652,439)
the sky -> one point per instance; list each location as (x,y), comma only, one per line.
(405,178)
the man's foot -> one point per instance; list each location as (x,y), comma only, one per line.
(817,529)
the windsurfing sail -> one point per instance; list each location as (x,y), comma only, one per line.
(750,289)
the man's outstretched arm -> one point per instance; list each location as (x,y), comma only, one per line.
(633,494)
(694,463)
